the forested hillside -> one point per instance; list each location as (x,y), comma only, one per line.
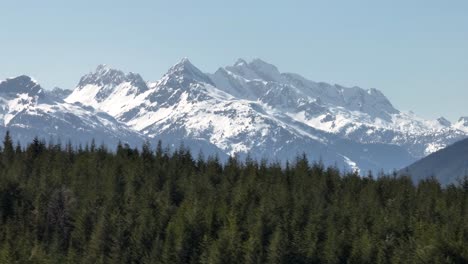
(446,165)
(60,204)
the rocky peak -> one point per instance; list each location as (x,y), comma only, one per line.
(20,85)
(106,80)
(103,76)
(256,69)
(184,72)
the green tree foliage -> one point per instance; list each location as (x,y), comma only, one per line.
(60,204)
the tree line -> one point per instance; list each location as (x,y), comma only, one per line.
(65,204)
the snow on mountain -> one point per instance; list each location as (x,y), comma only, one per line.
(259,80)
(108,90)
(28,111)
(186,105)
(363,115)
(249,108)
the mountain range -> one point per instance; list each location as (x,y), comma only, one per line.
(246,109)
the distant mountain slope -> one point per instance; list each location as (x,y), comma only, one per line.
(446,165)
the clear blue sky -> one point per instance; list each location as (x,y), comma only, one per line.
(416,51)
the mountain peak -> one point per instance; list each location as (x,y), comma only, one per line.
(240,62)
(97,86)
(256,69)
(260,62)
(20,84)
(185,71)
(103,75)
(23,79)
(107,76)
(185,60)
(102,67)
(184,63)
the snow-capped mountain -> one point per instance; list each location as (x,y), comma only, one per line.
(27,110)
(254,108)
(247,108)
(362,115)
(261,81)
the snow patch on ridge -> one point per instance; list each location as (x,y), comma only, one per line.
(353,165)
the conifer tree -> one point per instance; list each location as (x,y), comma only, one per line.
(8,151)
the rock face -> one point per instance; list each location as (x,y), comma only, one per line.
(59,93)
(249,108)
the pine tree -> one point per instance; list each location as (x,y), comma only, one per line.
(276,248)
(8,151)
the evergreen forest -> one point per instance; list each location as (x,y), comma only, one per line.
(89,204)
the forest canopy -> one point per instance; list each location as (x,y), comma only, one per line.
(65,204)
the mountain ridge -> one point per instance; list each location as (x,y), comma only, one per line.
(27,111)
(251,108)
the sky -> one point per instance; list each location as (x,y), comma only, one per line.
(415,52)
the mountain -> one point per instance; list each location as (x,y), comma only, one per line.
(249,108)
(108,89)
(252,108)
(27,110)
(361,115)
(261,81)
(447,165)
